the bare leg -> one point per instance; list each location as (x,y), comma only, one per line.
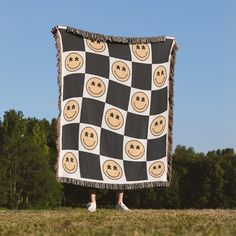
(119,197)
(92,193)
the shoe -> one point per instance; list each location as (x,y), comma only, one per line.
(91,206)
(121,207)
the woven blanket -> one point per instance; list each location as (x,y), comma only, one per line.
(116,109)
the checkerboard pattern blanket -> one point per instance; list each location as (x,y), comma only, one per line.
(116,109)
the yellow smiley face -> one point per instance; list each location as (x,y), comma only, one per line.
(114,118)
(74,61)
(157,169)
(141,51)
(71,110)
(69,163)
(158,125)
(139,101)
(89,138)
(121,71)
(134,149)
(159,76)
(112,170)
(96,45)
(95,87)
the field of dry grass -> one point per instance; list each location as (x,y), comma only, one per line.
(77,221)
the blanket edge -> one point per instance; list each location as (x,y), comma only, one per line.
(110,38)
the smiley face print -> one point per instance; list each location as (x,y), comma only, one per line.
(121,71)
(74,61)
(70,163)
(95,87)
(158,125)
(112,170)
(159,76)
(89,138)
(96,45)
(71,110)
(114,118)
(139,101)
(157,169)
(134,149)
(141,51)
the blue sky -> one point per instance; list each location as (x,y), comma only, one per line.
(204,111)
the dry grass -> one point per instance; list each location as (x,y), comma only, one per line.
(78,221)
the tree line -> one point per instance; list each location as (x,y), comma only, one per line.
(28,178)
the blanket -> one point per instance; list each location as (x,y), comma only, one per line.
(115,109)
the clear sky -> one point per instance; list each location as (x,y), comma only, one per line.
(204,102)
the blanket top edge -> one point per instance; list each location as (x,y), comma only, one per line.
(111,38)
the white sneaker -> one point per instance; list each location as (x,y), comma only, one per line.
(91,206)
(122,207)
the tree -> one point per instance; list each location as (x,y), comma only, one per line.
(12,132)
(25,163)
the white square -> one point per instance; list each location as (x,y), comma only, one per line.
(141,53)
(68,165)
(157,80)
(97,48)
(134,149)
(95,87)
(112,170)
(73,62)
(89,138)
(114,119)
(157,170)
(139,101)
(161,125)
(120,71)
(71,110)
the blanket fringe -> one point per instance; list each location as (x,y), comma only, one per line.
(171,112)
(113,186)
(59,82)
(89,35)
(110,38)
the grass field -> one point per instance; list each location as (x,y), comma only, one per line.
(77,221)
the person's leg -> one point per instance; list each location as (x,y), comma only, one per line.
(92,205)
(119,201)
(119,197)
(92,193)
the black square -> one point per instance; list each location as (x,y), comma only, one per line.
(97,64)
(71,42)
(141,75)
(161,51)
(119,50)
(92,111)
(73,86)
(158,101)
(156,148)
(70,136)
(118,95)
(135,170)
(89,165)
(136,125)
(111,144)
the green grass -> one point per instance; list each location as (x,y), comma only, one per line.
(77,221)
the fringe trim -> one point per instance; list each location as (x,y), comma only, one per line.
(110,38)
(86,34)
(59,82)
(171,112)
(114,186)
